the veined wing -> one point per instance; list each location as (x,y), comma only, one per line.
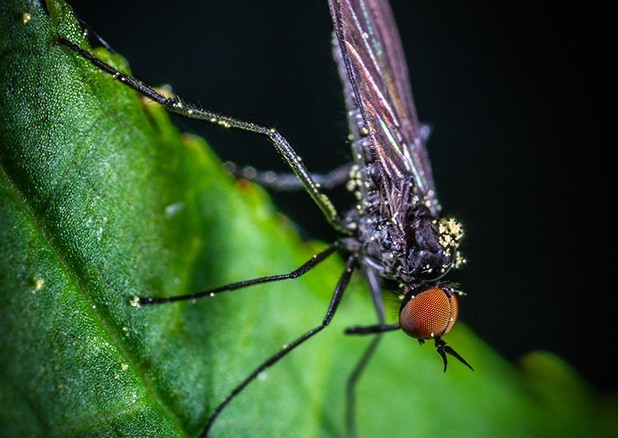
(376,66)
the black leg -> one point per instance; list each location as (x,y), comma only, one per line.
(177,106)
(309,265)
(289,182)
(350,406)
(371,329)
(332,308)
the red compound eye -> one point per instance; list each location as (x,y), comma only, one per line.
(429,314)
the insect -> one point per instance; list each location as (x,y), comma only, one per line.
(394,234)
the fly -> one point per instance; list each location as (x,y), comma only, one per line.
(394,234)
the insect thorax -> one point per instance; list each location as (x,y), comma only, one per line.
(401,235)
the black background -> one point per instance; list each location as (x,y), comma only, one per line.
(515,95)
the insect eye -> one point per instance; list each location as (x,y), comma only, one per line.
(429,314)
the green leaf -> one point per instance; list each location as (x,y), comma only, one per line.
(102,199)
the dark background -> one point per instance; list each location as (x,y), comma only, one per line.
(515,95)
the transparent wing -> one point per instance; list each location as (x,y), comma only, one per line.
(376,67)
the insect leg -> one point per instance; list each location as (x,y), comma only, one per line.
(307,266)
(371,329)
(350,411)
(353,379)
(289,182)
(177,106)
(332,308)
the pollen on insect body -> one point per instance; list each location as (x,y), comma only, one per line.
(26,17)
